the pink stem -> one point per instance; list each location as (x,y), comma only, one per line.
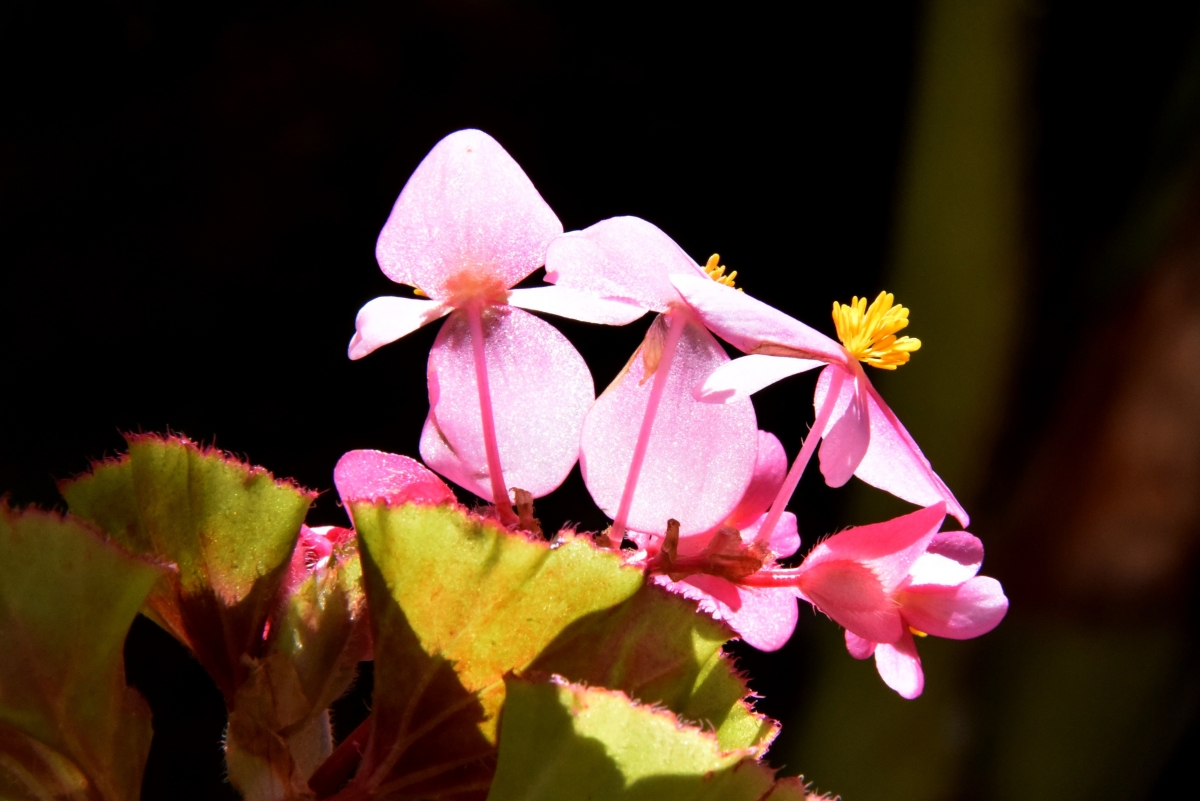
(806,452)
(772,578)
(499,491)
(674,332)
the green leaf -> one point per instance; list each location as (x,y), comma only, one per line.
(70,728)
(229,529)
(567,742)
(455,604)
(656,648)
(279,725)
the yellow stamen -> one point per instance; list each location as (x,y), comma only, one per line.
(916,632)
(870,333)
(716,272)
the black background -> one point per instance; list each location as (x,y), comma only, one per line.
(190,195)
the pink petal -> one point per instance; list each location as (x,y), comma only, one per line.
(468,207)
(900,667)
(770,468)
(951,558)
(375,475)
(752,326)
(575,304)
(440,456)
(386,319)
(785,539)
(847,435)
(764,618)
(972,608)
(742,377)
(700,456)
(889,549)
(541,390)
(621,258)
(853,596)
(894,463)
(717,596)
(858,647)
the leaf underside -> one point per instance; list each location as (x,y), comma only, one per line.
(70,728)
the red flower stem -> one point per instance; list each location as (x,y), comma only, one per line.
(674,332)
(499,491)
(771,578)
(806,452)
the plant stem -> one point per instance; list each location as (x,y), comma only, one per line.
(674,332)
(499,491)
(806,452)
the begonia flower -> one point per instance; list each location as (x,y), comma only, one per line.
(890,581)
(313,548)
(859,434)
(364,475)
(649,451)
(466,228)
(764,617)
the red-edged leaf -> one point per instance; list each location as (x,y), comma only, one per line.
(228,528)
(69,726)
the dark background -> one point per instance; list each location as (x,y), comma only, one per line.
(190,195)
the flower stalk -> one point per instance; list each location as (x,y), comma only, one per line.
(678,320)
(504,507)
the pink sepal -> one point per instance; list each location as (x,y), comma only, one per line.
(368,475)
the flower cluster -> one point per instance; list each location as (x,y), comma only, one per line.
(671,450)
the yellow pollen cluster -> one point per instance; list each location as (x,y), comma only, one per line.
(870,333)
(717,272)
(917,632)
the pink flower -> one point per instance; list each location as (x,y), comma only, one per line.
(313,549)
(765,617)
(467,227)
(364,476)
(860,435)
(888,581)
(649,452)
